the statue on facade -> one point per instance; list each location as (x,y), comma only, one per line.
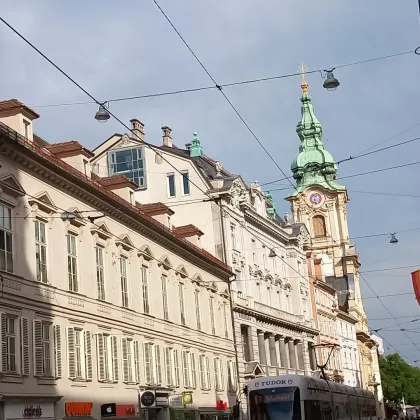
(287,218)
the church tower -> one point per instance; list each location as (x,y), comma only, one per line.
(320,202)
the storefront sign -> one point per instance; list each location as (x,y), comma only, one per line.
(175,401)
(32,411)
(29,411)
(124,410)
(147,399)
(162,401)
(74,409)
(109,410)
(187,398)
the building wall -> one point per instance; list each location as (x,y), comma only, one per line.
(29,298)
(349,352)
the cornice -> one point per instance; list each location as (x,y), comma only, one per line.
(65,180)
(347,317)
(276,321)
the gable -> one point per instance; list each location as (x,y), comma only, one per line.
(43,201)
(116,141)
(12,185)
(165,262)
(125,241)
(146,252)
(45,198)
(182,271)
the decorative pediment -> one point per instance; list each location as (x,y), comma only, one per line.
(43,202)
(182,271)
(78,221)
(211,285)
(253,369)
(259,274)
(225,293)
(198,279)
(102,230)
(287,287)
(125,242)
(269,278)
(146,253)
(165,263)
(11,186)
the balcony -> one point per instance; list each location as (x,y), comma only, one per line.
(277,313)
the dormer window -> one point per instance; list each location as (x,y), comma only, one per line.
(26,125)
(128,162)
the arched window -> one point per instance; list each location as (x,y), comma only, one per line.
(318,224)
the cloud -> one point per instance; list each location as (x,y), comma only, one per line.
(127,48)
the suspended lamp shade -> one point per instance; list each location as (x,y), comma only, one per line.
(102,115)
(393,239)
(331,83)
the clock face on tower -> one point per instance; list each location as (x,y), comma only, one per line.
(315,198)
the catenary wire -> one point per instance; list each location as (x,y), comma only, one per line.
(238,83)
(120,121)
(223,93)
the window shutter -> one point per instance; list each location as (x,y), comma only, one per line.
(88,355)
(147,365)
(137,361)
(176,363)
(57,351)
(38,362)
(185,369)
(100,352)
(193,372)
(208,378)
(3,364)
(234,376)
(202,372)
(114,346)
(124,359)
(168,366)
(216,373)
(71,356)
(24,341)
(221,374)
(158,365)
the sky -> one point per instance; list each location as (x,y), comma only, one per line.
(127,48)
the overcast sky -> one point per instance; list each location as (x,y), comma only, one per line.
(125,48)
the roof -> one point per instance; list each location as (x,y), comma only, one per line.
(69,147)
(153,209)
(12,104)
(117,181)
(40,141)
(74,175)
(187,230)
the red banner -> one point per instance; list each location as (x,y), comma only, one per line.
(415,276)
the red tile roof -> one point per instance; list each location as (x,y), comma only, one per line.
(69,148)
(116,181)
(153,209)
(40,141)
(187,230)
(15,104)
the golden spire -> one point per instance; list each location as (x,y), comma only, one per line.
(303,68)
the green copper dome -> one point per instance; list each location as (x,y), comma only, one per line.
(313,165)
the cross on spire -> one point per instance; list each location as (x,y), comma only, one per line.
(303,69)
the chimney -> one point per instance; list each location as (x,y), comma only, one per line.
(166,135)
(137,128)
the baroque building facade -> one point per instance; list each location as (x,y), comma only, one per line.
(320,203)
(105,308)
(273,319)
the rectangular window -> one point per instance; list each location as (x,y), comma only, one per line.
(100,279)
(6,249)
(79,354)
(152,364)
(233,235)
(204,372)
(171,185)
(46,349)
(165,297)
(72,263)
(124,282)
(232,376)
(9,343)
(188,366)
(225,319)
(41,251)
(128,349)
(145,289)
(212,321)
(245,343)
(197,309)
(218,374)
(181,302)
(185,183)
(26,125)
(129,162)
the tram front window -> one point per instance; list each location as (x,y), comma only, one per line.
(275,404)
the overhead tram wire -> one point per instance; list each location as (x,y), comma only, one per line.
(238,83)
(223,93)
(124,125)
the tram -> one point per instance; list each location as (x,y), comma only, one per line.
(296,397)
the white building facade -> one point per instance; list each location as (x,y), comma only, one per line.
(102,304)
(237,223)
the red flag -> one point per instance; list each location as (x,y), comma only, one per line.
(415,276)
